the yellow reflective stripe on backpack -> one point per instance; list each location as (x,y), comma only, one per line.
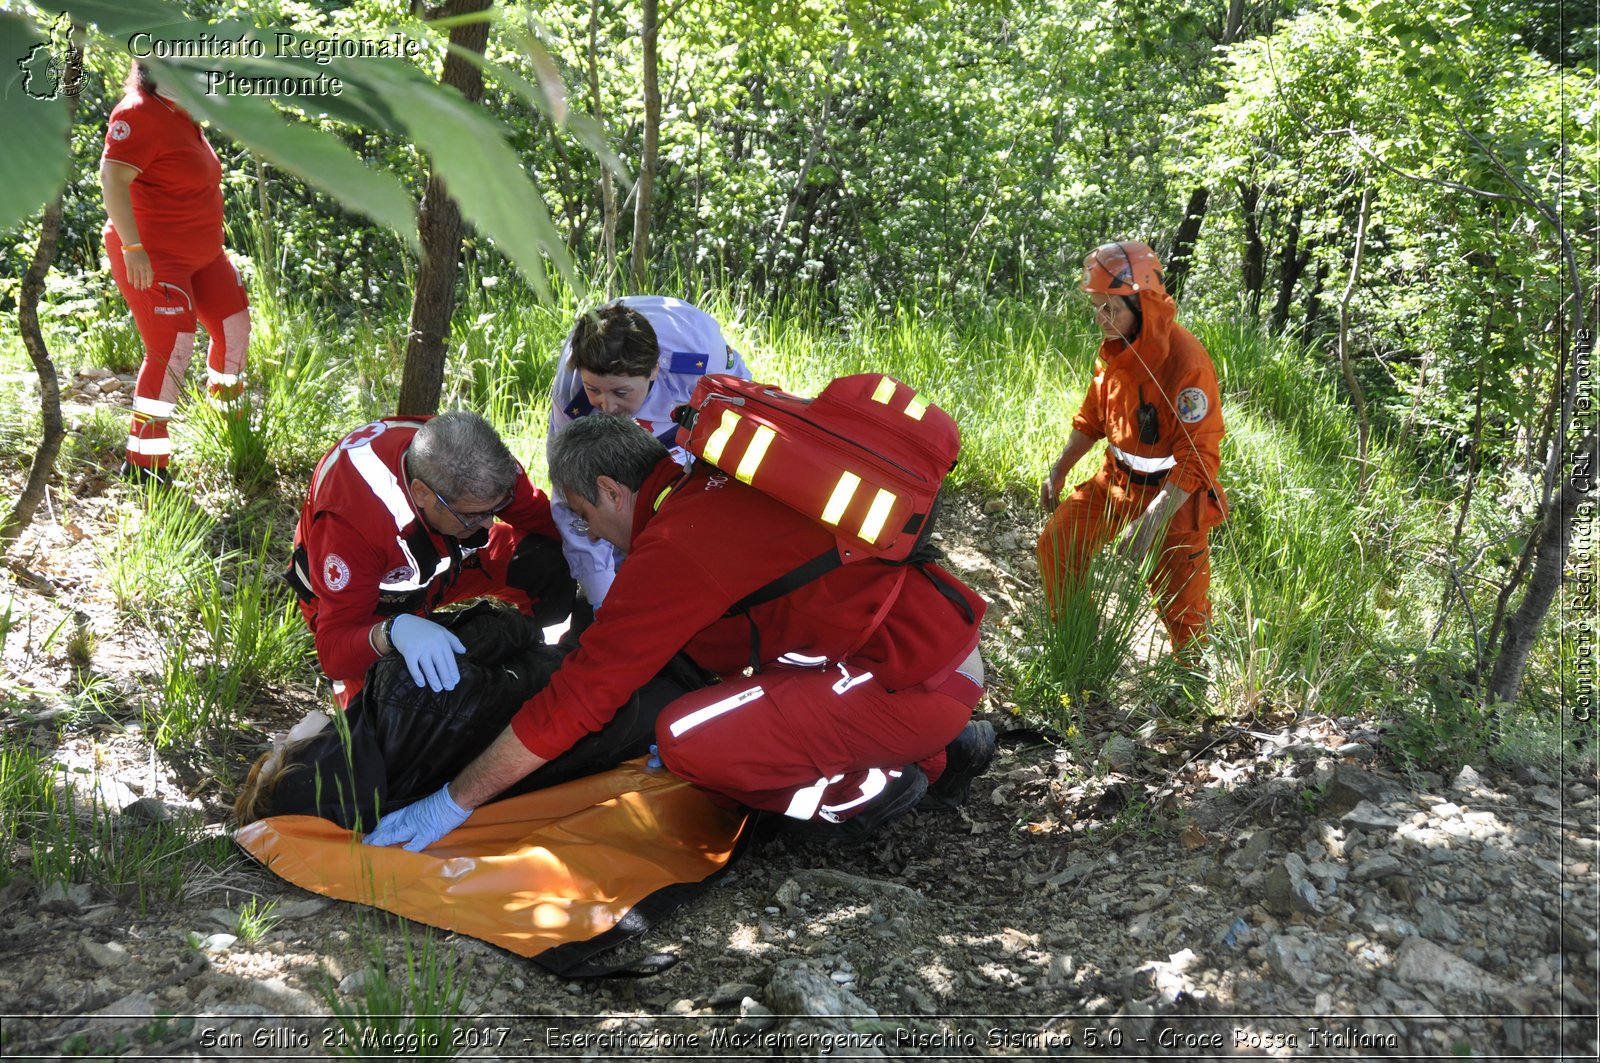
(872,527)
(839,501)
(719,439)
(754,453)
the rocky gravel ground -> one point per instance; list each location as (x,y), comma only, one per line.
(1261,887)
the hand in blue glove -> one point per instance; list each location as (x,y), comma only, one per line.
(430,651)
(421,824)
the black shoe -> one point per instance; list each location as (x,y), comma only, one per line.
(160,476)
(901,795)
(965,759)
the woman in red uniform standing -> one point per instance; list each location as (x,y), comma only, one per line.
(162,186)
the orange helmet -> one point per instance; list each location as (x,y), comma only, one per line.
(1122,269)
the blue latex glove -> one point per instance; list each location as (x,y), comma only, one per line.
(421,824)
(430,651)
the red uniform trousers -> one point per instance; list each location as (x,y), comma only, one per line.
(1093,514)
(483,575)
(184,292)
(810,741)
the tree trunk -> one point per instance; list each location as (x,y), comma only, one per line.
(1314,302)
(52,431)
(643,191)
(1235,21)
(1181,260)
(1452,583)
(1553,536)
(608,191)
(1357,399)
(441,229)
(1255,252)
(1291,265)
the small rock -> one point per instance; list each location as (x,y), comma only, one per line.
(1254,851)
(731,993)
(356,981)
(1376,867)
(1291,957)
(276,993)
(1366,816)
(109,954)
(1545,797)
(110,384)
(797,988)
(1288,890)
(1119,752)
(1347,786)
(1238,935)
(1422,963)
(66,899)
(301,909)
(754,1017)
(135,1005)
(1467,779)
(993,506)
(218,942)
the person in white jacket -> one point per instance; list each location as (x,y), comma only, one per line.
(639,357)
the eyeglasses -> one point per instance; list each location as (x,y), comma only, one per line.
(473,520)
(579,526)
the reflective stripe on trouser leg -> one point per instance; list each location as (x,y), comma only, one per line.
(223,308)
(807,801)
(770,749)
(846,680)
(1181,585)
(154,401)
(871,785)
(224,362)
(684,725)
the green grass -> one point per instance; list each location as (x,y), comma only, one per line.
(160,539)
(243,633)
(255,920)
(72,839)
(408,1007)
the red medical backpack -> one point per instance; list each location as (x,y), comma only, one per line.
(866,457)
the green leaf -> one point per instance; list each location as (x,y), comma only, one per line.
(34,160)
(588,132)
(299,148)
(484,176)
(121,20)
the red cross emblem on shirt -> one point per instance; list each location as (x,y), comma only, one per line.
(363,435)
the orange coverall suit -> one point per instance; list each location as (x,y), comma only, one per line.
(1156,404)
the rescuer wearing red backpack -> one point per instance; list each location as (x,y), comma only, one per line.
(1154,399)
(865,680)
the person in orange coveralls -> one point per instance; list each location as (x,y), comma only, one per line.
(1154,400)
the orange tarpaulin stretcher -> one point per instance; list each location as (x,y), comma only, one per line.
(529,873)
